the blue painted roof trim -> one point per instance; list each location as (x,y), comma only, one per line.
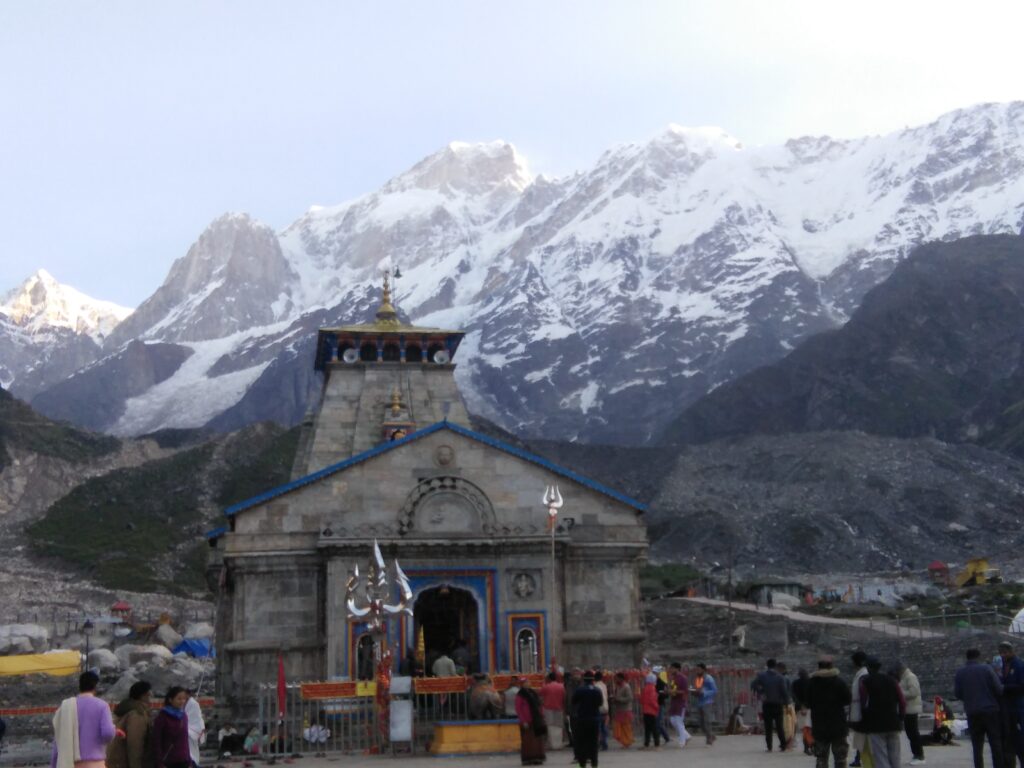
(216,533)
(280,490)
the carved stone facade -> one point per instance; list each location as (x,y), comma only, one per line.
(460,511)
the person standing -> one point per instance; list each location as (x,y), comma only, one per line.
(882,711)
(82,728)
(799,691)
(860,742)
(679,698)
(170,731)
(196,727)
(1012,677)
(770,686)
(649,708)
(585,709)
(911,688)
(600,684)
(827,698)
(788,710)
(572,682)
(532,729)
(622,711)
(131,716)
(980,689)
(552,696)
(705,690)
(661,684)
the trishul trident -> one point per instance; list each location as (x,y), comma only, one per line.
(553,501)
(376,591)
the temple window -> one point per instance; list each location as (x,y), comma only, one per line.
(368,352)
(392,353)
(413,353)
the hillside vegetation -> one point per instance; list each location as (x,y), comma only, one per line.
(142,528)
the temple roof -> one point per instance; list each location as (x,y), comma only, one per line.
(387,320)
(441,425)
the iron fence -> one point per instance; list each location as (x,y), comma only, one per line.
(346,717)
(946,623)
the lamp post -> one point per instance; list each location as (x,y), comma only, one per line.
(87,631)
(553,501)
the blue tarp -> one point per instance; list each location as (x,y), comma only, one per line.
(201,649)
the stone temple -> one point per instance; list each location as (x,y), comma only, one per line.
(390,455)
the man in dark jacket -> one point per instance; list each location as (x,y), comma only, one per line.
(882,711)
(828,695)
(774,693)
(1012,678)
(978,687)
(586,715)
(799,690)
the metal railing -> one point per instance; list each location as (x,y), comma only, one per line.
(344,717)
(952,623)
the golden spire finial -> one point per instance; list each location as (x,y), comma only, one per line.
(386,314)
(396,402)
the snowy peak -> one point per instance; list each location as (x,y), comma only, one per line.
(41,303)
(470,169)
(234,277)
(596,305)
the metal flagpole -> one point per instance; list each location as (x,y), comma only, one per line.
(553,501)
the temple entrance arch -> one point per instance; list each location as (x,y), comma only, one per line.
(450,619)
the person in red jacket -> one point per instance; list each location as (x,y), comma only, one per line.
(170,732)
(650,707)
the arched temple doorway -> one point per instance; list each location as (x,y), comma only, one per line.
(450,620)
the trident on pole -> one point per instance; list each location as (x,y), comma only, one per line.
(553,501)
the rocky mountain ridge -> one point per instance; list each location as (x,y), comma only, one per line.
(598,306)
(936,350)
(49,330)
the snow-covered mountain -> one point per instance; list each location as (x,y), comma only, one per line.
(49,330)
(597,306)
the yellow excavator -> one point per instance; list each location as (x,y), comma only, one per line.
(978,571)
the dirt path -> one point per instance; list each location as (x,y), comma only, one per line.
(884,627)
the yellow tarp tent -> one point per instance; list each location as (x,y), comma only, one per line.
(57,664)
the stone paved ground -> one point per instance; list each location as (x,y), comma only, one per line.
(728,752)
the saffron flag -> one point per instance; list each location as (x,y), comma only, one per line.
(282,688)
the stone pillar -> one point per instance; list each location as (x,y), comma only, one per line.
(336,618)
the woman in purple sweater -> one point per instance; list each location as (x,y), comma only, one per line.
(170,732)
(95,728)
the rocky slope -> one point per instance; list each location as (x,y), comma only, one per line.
(598,306)
(937,349)
(80,511)
(818,502)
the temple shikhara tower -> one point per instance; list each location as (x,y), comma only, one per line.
(391,455)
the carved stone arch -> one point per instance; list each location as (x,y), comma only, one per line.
(447,506)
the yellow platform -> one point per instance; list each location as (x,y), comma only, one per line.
(454,737)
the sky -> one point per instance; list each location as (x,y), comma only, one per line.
(126,127)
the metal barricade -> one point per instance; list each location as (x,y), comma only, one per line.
(320,717)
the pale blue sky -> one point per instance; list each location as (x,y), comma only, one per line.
(125,127)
